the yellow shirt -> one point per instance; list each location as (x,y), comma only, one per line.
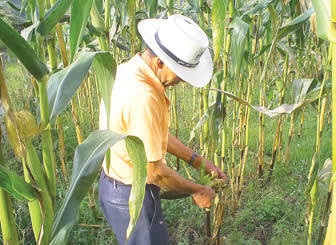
(139,107)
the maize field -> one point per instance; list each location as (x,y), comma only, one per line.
(265,119)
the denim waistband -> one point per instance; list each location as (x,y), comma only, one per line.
(114,181)
(154,188)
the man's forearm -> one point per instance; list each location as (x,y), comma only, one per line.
(161,175)
(178,149)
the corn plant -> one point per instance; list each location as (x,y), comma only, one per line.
(257,48)
(55,92)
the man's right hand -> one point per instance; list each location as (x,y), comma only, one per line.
(203,197)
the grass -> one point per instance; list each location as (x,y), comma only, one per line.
(269,213)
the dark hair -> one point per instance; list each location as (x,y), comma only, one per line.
(150,50)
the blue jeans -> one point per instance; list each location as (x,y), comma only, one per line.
(150,228)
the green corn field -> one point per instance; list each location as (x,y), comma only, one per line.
(266,119)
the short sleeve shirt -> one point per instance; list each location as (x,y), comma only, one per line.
(139,107)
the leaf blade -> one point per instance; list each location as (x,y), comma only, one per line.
(80,11)
(63,84)
(139,177)
(295,23)
(217,22)
(323,17)
(16,185)
(52,17)
(87,162)
(23,51)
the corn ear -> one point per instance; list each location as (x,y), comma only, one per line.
(21,126)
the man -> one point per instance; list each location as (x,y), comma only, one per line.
(178,50)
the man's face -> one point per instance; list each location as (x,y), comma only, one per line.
(168,77)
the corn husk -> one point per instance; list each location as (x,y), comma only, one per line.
(21,125)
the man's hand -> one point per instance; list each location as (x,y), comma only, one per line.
(203,197)
(213,170)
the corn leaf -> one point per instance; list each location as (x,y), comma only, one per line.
(52,17)
(239,35)
(218,21)
(23,51)
(105,67)
(137,153)
(323,17)
(201,122)
(216,122)
(153,8)
(131,4)
(256,8)
(300,89)
(29,33)
(121,7)
(87,163)
(312,96)
(326,170)
(80,11)
(63,84)
(10,11)
(16,185)
(295,24)
(312,177)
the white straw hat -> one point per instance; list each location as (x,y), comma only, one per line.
(182,45)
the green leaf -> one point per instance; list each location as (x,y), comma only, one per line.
(163,4)
(52,17)
(323,17)
(295,24)
(239,35)
(16,185)
(216,122)
(131,4)
(23,51)
(87,163)
(105,67)
(300,89)
(218,21)
(97,20)
(9,10)
(27,4)
(137,153)
(63,84)
(262,51)
(201,122)
(153,8)
(285,50)
(80,11)
(258,7)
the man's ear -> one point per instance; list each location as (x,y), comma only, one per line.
(159,63)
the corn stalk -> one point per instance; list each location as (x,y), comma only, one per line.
(331,235)
(7,220)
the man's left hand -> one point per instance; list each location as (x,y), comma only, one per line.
(213,170)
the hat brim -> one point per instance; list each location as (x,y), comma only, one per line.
(198,76)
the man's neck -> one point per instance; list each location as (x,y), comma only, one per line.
(149,59)
(147,56)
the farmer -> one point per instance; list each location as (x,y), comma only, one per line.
(177,51)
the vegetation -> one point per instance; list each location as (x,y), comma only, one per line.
(265,119)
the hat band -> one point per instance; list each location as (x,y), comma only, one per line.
(171,55)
